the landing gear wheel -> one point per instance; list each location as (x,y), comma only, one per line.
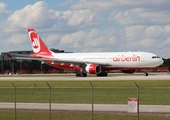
(102,74)
(84,74)
(81,74)
(145,74)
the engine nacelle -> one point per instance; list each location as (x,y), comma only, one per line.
(93,68)
(129,71)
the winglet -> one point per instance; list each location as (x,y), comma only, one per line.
(38,45)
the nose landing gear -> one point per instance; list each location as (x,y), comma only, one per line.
(145,74)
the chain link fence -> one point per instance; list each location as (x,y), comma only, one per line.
(80,95)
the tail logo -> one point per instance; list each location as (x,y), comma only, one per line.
(35,42)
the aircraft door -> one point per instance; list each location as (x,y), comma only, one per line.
(143,58)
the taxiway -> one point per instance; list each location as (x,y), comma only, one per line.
(85,107)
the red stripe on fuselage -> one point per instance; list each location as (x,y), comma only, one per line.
(64,66)
(69,67)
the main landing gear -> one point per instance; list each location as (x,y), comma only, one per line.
(81,74)
(102,74)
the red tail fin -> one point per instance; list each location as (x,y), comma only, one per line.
(38,45)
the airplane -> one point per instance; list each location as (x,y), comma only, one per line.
(99,63)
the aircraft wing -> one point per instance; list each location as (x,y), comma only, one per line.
(56,60)
(14,55)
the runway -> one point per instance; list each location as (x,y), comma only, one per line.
(85,107)
(73,78)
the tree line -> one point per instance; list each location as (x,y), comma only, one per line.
(24,64)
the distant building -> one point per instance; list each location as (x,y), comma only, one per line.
(59,51)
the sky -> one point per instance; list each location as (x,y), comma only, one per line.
(87,25)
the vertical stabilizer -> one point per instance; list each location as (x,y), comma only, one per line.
(38,45)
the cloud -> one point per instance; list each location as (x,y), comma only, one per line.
(167,42)
(157,5)
(132,33)
(67,2)
(4,9)
(80,17)
(18,39)
(93,40)
(154,32)
(131,12)
(140,16)
(147,38)
(99,5)
(30,16)
(74,40)
(39,15)
(90,25)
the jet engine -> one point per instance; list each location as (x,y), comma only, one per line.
(93,68)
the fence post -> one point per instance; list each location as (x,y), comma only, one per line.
(92,100)
(49,99)
(15,100)
(138,99)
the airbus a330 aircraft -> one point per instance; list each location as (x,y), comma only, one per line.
(98,63)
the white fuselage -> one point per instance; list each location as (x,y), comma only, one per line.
(114,59)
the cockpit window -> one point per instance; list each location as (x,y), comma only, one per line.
(155,57)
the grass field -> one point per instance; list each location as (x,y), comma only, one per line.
(78,115)
(105,92)
(110,92)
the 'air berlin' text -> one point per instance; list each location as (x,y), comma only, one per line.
(123,58)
